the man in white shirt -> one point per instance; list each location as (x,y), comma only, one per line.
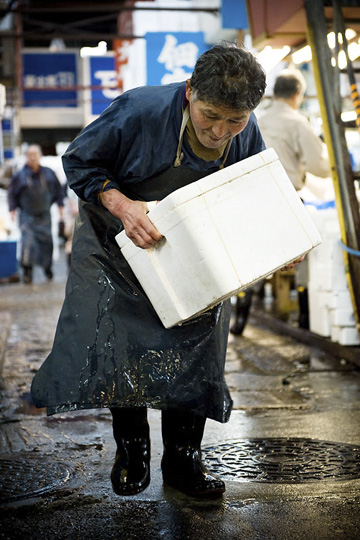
(299,148)
(291,135)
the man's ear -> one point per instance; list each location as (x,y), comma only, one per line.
(188,90)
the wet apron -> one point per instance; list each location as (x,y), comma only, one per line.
(35,223)
(110,347)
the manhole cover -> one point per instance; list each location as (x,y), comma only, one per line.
(283,460)
(28,475)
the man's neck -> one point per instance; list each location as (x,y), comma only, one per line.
(34,168)
(292,102)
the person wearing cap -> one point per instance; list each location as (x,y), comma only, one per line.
(110,348)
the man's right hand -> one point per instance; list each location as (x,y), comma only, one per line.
(137,225)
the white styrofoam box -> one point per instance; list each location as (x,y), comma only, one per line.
(221,234)
(326,221)
(328,251)
(327,277)
(341,299)
(345,335)
(342,317)
(319,313)
(326,264)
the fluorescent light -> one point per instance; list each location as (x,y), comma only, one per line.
(353,52)
(302,55)
(100,50)
(349,34)
(348,116)
(270,57)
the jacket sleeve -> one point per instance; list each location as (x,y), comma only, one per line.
(90,159)
(13,192)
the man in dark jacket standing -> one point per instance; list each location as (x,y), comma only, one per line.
(33,190)
(111,349)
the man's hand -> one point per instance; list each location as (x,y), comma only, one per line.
(137,225)
(293,264)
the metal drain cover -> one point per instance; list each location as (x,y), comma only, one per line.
(29,475)
(283,460)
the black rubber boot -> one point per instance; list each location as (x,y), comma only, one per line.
(28,274)
(131,470)
(303,308)
(48,273)
(181,464)
(242,309)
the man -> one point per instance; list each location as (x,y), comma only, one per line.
(33,190)
(283,128)
(110,348)
(299,148)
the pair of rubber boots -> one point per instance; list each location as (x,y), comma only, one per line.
(181,464)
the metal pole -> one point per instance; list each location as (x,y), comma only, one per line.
(339,19)
(346,202)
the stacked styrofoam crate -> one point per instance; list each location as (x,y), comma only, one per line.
(330,308)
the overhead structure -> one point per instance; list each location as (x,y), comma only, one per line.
(330,105)
(278,23)
(297,23)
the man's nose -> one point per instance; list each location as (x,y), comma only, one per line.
(219,128)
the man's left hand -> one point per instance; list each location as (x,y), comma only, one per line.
(293,264)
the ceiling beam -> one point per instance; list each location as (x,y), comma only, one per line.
(84,36)
(100,7)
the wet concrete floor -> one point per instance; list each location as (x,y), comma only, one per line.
(290,454)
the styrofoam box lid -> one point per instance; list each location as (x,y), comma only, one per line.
(204,185)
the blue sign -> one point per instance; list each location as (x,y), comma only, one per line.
(103,81)
(171,57)
(233,14)
(49,79)
(7,129)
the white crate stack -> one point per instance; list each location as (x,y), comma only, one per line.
(330,308)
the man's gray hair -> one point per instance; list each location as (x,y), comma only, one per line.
(228,75)
(288,83)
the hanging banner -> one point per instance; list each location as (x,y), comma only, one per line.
(108,76)
(49,79)
(234,14)
(103,82)
(171,57)
(122,54)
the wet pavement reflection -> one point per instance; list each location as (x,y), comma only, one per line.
(290,454)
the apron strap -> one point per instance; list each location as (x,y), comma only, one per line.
(179,154)
(227,150)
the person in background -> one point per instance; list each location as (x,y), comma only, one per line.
(299,148)
(289,132)
(33,190)
(111,349)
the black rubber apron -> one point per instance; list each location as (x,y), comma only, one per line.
(110,348)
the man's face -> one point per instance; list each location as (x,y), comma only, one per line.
(33,157)
(214,126)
